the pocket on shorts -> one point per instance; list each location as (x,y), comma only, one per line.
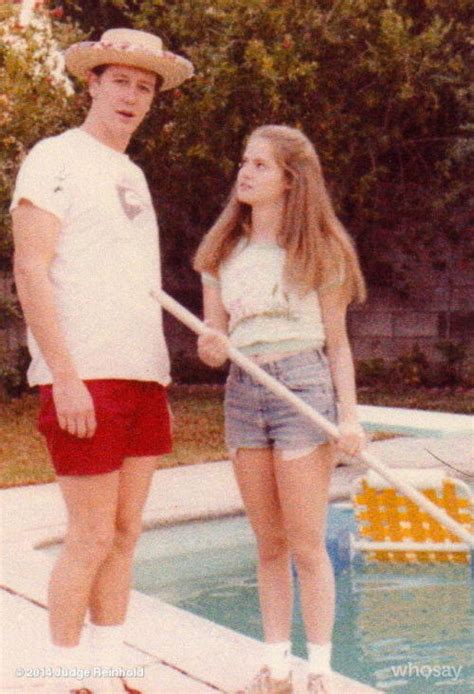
(235,394)
(311,373)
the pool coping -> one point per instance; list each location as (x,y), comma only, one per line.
(206,656)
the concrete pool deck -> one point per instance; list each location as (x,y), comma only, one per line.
(180,652)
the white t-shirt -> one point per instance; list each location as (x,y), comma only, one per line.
(264,314)
(107,263)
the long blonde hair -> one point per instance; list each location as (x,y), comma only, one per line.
(318,247)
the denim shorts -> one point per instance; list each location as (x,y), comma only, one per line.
(256,418)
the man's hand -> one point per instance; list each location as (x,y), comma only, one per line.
(74,407)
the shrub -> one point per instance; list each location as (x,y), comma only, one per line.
(415,369)
(371,372)
(411,369)
(188,368)
(454,355)
(13,367)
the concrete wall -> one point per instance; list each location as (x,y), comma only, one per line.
(385,326)
(438,307)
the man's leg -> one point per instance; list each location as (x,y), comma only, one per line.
(148,438)
(91,503)
(111,588)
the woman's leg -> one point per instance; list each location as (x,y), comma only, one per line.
(303,489)
(111,588)
(255,475)
(91,503)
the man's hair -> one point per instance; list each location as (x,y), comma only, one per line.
(100,69)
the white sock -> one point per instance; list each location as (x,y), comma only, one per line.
(106,645)
(319,657)
(277,657)
(67,664)
(63,656)
(105,655)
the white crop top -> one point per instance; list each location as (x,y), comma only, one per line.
(264,315)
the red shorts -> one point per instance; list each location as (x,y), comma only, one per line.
(132,420)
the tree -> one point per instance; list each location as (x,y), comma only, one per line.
(36,100)
(381,87)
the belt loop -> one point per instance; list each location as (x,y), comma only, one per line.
(275,369)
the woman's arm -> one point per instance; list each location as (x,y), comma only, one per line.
(334,308)
(212,346)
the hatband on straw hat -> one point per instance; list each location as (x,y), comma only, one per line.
(132,48)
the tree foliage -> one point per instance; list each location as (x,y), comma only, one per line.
(380,86)
(35,101)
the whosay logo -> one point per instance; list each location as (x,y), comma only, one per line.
(409,670)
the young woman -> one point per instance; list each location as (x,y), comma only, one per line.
(278,274)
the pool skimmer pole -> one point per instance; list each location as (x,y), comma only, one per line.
(197,326)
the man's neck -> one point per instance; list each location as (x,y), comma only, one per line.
(101,132)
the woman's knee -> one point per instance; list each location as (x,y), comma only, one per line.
(308,554)
(272,546)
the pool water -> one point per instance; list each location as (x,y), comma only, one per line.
(403,629)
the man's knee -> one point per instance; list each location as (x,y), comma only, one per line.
(91,544)
(126,535)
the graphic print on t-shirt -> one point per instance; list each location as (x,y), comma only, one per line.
(59,180)
(132,203)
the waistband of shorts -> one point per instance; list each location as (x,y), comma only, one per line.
(268,358)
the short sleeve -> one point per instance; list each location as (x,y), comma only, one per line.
(43,179)
(210,280)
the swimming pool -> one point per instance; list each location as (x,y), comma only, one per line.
(405,629)
(424,423)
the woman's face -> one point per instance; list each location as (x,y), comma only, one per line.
(261,180)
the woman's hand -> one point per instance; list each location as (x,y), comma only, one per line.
(213,347)
(352,440)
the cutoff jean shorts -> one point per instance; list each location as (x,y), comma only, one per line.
(256,418)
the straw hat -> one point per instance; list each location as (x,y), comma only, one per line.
(132,48)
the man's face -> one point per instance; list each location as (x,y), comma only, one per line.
(122,96)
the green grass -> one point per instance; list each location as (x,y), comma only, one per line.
(198,427)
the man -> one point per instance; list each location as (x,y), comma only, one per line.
(86,268)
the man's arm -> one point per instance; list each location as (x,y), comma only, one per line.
(36,233)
